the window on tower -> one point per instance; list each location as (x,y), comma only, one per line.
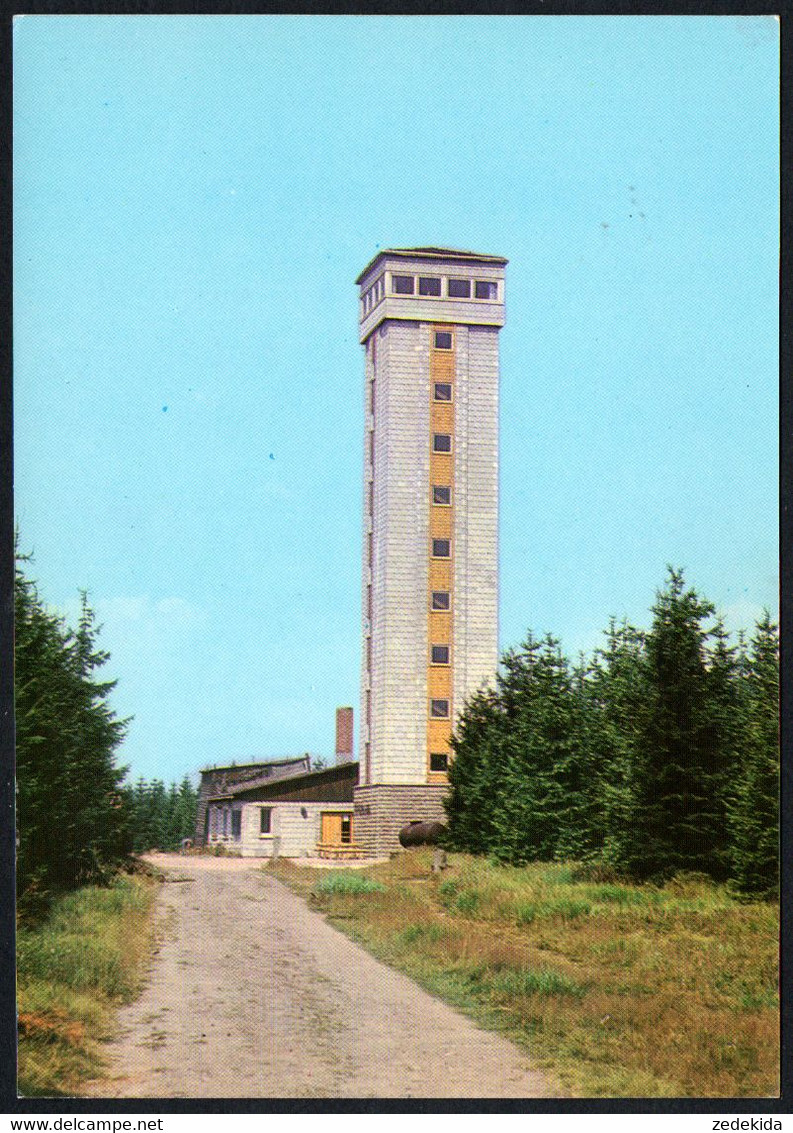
(440,600)
(443,340)
(428,285)
(441,548)
(403,284)
(459,288)
(439,761)
(440,654)
(441,442)
(442,391)
(441,494)
(485,289)
(439,709)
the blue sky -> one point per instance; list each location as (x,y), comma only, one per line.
(194,197)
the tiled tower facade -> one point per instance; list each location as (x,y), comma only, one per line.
(429,323)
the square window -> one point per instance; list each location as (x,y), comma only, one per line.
(441,548)
(440,600)
(459,288)
(439,709)
(439,761)
(441,494)
(440,654)
(441,442)
(443,340)
(429,286)
(403,284)
(484,289)
(442,391)
(265,816)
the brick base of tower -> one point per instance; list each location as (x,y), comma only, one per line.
(381,810)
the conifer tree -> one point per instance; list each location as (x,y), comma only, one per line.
(70,818)
(754,806)
(476,775)
(539,752)
(617,695)
(676,808)
(726,724)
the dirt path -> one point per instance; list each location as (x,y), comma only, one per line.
(254,995)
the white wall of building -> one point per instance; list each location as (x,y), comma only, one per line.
(295,828)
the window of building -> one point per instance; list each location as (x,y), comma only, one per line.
(265,820)
(442,391)
(403,284)
(441,494)
(440,600)
(485,289)
(439,761)
(440,654)
(460,288)
(443,340)
(428,285)
(439,709)
(441,442)
(441,548)
(346,829)
(236,823)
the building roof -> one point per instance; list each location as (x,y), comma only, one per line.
(282,761)
(458,254)
(299,788)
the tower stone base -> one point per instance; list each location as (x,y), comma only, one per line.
(381,810)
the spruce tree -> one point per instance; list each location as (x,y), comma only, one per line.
(70,815)
(726,726)
(617,696)
(754,806)
(476,775)
(676,807)
(539,748)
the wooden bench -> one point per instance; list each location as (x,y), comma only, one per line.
(339,850)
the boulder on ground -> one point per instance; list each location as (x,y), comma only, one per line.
(418,833)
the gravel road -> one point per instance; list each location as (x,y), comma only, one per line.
(254,995)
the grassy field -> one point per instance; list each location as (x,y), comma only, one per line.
(73,971)
(616,990)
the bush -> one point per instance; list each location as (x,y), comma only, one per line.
(467,902)
(348,883)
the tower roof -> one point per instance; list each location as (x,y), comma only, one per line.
(458,254)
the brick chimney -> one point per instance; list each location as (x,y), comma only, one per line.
(344,730)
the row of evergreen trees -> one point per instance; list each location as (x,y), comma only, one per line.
(659,754)
(160,817)
(77,820)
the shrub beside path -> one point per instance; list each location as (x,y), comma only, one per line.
(252,994)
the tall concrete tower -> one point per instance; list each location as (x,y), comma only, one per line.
(429,323)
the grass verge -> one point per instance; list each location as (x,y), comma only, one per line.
(73,971)
(616,990)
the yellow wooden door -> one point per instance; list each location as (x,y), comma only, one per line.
(331,829)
